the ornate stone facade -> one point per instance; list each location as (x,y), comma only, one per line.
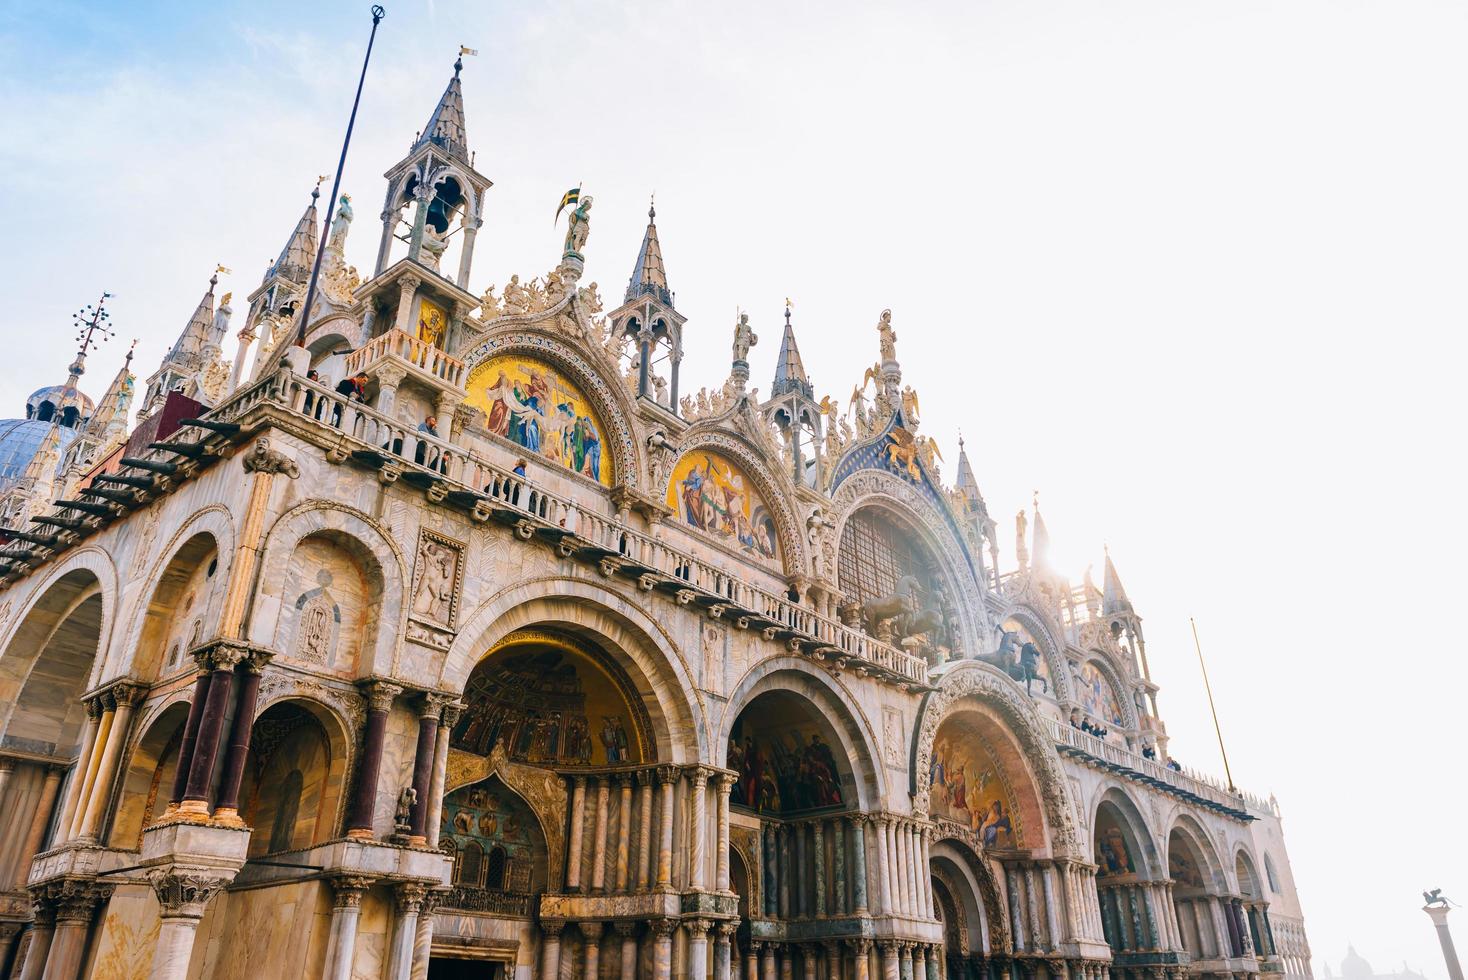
(376,666)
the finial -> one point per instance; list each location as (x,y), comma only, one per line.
(1036,500)
(316,191)
(960,440)
(458,66)
(127,361)
(788,306)
(652,209)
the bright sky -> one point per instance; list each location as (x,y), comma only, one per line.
(1194,270)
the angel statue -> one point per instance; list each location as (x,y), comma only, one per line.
(744,338)
(579,228)
(909,406)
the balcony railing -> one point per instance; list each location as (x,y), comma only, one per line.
(466,898)
(406,347)
(579,525)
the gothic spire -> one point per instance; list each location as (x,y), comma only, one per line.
(445,127)
(966,484)
(1113,595)
(649,278)
(196,333)
(110,419)
(1041,547)
(300,249)
(789,370)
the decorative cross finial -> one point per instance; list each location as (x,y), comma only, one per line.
(652,205)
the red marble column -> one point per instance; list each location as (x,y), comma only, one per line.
(380,695)
(423,765)
(227,806)
(190,738)
(211,731)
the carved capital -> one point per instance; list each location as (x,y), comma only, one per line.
(698,928)
(591,931)
(380,694)
(667,775)
(184,893)
(389,375)
(76,900)
(409,896)
(551,928)
(347,890)
(410,282)
(625,929)
(262,459)
(663,928)
(451,712)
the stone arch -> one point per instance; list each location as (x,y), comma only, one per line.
(1186,834)
(970,883)
(147,780)
(181,608)
(934,528)
(631,639)
(276,742)
(975,685)
(56,645)
(829,699)
(488,814)
(541,790)
(1052,646)
(1138,837)
(325,338)
(1115,679)
(1246,873)
(13,613)
(381,562)
(606,392)
(776,491)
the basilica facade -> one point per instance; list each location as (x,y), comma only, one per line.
(441,633)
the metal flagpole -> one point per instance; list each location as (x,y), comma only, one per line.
(1209,688)
(377,14)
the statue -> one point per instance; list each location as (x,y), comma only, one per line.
(902,454)
(517,298)
(590,300)
(881,616)
(909,406)
(339,224)
(489,304)
(744,338)
(886,338)
(579,228)
(1021,550)
(402,818)
(1436,898)
(433,247)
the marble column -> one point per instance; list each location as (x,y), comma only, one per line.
(550,948)
(767,964)
(914,871)
(182,899)
(86,775)
(76,907)
(346,913)
(668,779)
(770,859)
(599,841)
(786,869)
(83,763)
(934,959)
(904,870)
(423,935)
(190,739)
(883,827)
(446,723)
(211,730)
(226,807)
(662,943)
(808,962)
(698,948)
(379,695)
(124,697)
(43,929)
(724,950)
(891,970)
(624,830)
(904,961)
(698,838)
(408,897)
(591,933)
(407,287)
(859,864)
(50,787)
(723,785)
(925,872)
(838,867)
(786,955)
(861,957)
(801,904)
(578,825)
(647,850)
(627,932)
(428,716)
(833,959)
(818,845)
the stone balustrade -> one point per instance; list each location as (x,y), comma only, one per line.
(398,345)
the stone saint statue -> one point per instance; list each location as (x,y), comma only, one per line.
(579,228)
(340,224)
(402,819)
(434,245)
(744,338)
(886,338)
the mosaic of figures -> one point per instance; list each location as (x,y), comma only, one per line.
(536,407)
(550,704)
(1097,695)
(479,821)
(433,320)
(1113,856)
(710,493)
(1182,866)
(783,768)
(966,785)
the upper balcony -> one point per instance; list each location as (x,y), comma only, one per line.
(417,357)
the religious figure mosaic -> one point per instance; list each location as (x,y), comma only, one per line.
(966,785)
(784,770)
(709,492)
(538,408)
(1113,857)
(1097,697)
(492,836)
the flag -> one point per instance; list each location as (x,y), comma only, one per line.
(472,52)
(570,197)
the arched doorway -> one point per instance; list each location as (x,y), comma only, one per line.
(293,778)
(1202,916)
(1131,900)
(968,904)
(150,772)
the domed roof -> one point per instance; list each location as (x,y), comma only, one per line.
(19,440)
(59,396)
(1355,967)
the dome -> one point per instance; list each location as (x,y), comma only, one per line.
(1355,967)
(19,440)
(58,397)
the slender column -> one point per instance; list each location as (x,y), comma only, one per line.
(75,910)
(591,933)
(808,963)
(724,950)
(380,695)
(346,913)
(698,818)
(85,775)
(883,827)
(818,844)
(801,905)
(428,715)
(662,944)
(787,962)
(647,855)
(124,698)
(409,899)
(624,829)
(423,936)
(904,870)
(466,249)
(83,762)
(42,818)
(226,809)
(914,877)
(698,948)
(838,868)
(1016,917)
(769,855)
(905,961)
(890,968)
(723,786)
(859,864)
(786,870)
(578,824)
(211,728)
(861,956)
(550,948)
(446,723)
(767,967)
(407,287)
(43,929)
(668,777)
(628,933)
(751,961)
(182,899)
(925,872)
(599,843)
(833,959)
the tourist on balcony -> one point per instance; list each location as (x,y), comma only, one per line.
(353,389)
(426,455)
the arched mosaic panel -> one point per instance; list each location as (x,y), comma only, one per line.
(1097,695)
(966,784)
(540,409)
(708,491)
